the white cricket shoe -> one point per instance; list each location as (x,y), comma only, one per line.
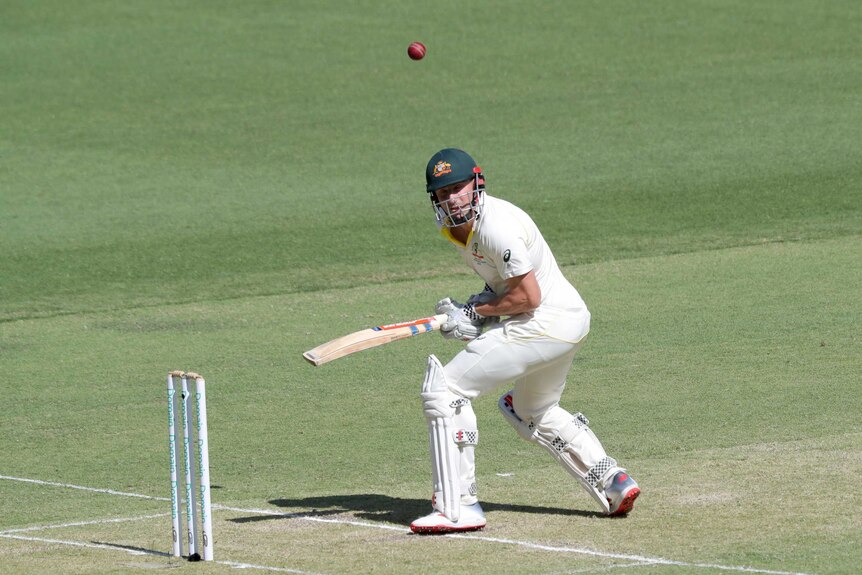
(472,518)
(621,493)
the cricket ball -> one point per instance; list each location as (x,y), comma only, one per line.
(416,50)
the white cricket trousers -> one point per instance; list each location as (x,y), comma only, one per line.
(531,352)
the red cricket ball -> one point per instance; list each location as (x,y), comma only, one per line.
(416,50)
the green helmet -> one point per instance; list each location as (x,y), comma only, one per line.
(451,166)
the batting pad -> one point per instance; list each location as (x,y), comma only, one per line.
(436,399)
(573,445)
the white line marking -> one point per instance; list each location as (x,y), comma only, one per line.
(80,523)
(356,523)
(77,544)
(102,546)
(606,555)
(600,569)
(82,488)
(526,544)
(236,565)
(272,512)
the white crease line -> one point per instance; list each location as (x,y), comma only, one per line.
(78,544)
(526,544)
(81,523)
(308,516)
(606,555)
(82,488)
(356,524)
(237,565)
(262,511)
(601,569)
(102,546)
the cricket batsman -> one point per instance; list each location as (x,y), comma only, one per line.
(523,330)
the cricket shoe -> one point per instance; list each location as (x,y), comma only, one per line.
(471,519)
(621,493)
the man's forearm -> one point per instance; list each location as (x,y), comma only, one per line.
(509,304)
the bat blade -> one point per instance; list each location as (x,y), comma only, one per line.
(371,337)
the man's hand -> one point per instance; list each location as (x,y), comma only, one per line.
(463,322)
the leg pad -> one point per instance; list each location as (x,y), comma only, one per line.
(445,456)
(571,444)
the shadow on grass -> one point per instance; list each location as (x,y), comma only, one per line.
(376,507)
(141,550)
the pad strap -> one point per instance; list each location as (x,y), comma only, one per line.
(466,437)
(596,474)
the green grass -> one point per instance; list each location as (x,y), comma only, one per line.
(220,186)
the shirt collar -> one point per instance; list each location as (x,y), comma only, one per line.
(448,235)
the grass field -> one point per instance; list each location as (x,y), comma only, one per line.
(218,186)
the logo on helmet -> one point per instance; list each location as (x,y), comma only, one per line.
(442,168)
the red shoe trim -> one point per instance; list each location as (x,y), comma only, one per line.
(431,529)
(628,502)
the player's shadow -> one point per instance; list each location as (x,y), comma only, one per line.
(376,507)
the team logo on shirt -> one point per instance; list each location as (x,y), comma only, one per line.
(441,168)
(476,255)
(506,255)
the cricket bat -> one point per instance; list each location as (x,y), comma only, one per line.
(371,337)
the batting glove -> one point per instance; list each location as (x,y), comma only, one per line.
(484,296)
(463,322)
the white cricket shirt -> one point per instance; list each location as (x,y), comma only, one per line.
(506,243)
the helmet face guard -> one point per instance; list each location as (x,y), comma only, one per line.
(454,211)
(446,168)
